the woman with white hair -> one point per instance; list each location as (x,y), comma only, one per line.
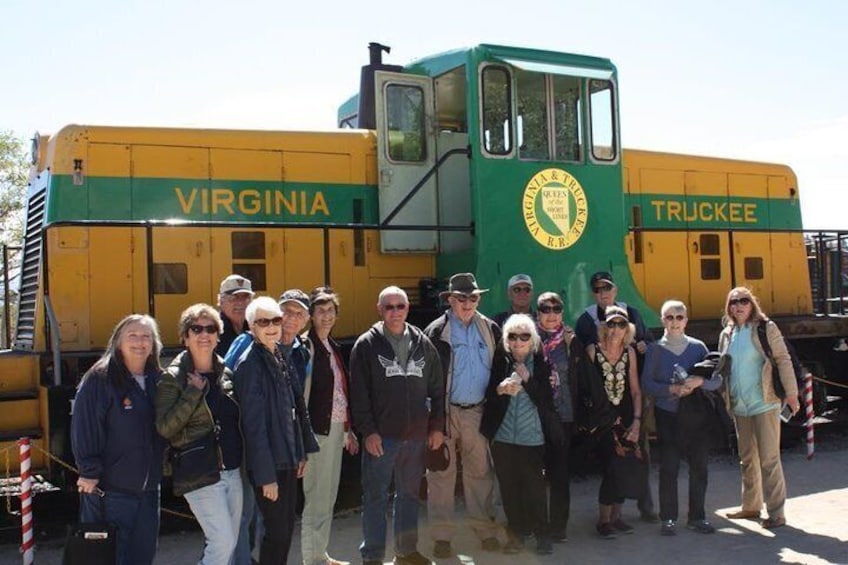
(615,362)
(277,432)
(518,417)
(666,378)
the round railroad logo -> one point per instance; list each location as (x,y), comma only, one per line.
(554,208)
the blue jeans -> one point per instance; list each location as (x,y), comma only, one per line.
(136,518)
(218,510)
(403,460)
(249,513)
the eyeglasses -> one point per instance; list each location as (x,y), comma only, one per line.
(463,298)
(602,288)
(393,307)
(672,317)
(545,309)
(519,289)
(620,324)
(198,329)
(744,301)
(265,322)
(516,337)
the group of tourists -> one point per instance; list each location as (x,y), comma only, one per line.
(255,403)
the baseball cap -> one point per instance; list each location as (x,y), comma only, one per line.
(235,284)
(297,296)
(519,278)
(601,276)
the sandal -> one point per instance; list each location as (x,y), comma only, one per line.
(772,523)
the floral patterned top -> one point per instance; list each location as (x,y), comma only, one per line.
(616,382)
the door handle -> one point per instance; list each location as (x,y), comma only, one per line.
(342,249)
(199,248)
(695,247)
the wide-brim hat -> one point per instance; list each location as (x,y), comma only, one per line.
(463,283)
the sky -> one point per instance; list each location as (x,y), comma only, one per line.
(759,80)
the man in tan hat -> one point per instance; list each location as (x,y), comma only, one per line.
(465,340)
(234,294)
(519,290)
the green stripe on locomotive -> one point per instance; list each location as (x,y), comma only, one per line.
(142,199)
(716,212)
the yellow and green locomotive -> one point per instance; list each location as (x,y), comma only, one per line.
(493,159)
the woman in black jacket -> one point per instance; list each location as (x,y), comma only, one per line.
(518,418)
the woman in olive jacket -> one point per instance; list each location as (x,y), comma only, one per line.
(195,399)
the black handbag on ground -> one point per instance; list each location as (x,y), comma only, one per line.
(195,465)
(629,466)
(93,543)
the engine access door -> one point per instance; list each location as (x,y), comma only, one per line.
(406,152)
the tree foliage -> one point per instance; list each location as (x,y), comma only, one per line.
(13,182)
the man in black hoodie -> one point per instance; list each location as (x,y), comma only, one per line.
(397,404)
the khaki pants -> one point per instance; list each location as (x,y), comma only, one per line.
(320,486)
(759,453)
(477,479)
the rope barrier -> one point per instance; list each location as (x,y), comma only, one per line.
(827,382)
(76,471)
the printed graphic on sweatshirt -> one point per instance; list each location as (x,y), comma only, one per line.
(414,368)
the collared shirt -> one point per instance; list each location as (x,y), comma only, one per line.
(470,363)
(746,370)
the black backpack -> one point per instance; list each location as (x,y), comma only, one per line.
(797,366)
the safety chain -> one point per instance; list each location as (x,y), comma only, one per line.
(56,459)
(76,471)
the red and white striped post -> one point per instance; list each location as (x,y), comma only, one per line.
(808,407)
(27,544)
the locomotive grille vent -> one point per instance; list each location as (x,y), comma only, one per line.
(30,272)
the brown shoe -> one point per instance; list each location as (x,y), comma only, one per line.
(744,515)
(772,523)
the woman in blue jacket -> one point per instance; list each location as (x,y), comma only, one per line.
(277,432)
(114,439)
(667,365)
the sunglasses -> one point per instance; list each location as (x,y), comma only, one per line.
(545,309)
(198,329)
(463,298)
(516,337)
(265,322)
(603,288)
(393,307)
(744,301)
(613,324)
(672,317)
(524,289)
